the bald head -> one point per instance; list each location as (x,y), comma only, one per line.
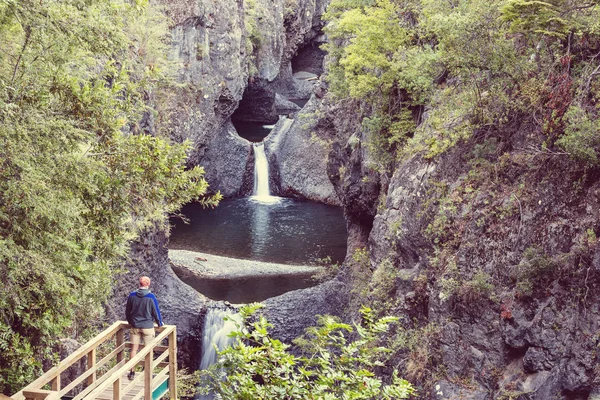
(144,281)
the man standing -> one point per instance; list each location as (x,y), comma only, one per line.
(141,313)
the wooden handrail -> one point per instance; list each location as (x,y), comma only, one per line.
(133,362)
(72,359)
(114,375)
(89,372)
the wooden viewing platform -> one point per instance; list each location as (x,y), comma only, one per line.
(106,378)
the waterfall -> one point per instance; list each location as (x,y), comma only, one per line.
(261,175)
(216,331)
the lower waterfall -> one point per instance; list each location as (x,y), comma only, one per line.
(216,331)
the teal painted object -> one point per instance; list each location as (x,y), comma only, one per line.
(161,390)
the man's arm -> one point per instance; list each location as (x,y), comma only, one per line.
(155,310)
(128,309)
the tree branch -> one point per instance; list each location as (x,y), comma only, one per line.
(25,43)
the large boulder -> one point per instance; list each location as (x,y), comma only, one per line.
(300,157)
(228,162)
(293,312)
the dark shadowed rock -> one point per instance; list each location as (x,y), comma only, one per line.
(293,312)
(225,161)
(444,390)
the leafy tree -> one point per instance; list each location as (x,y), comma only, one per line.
(79,179)
(477,64)
(257,366)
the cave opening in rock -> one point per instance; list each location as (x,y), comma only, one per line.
(309,59)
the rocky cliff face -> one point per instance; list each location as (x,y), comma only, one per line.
(489,255)
(228,162)
(232,52)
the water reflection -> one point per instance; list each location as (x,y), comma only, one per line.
(260,222)
(289,232)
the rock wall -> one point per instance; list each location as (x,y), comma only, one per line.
(209,44)
(490,258)
(179,304)
(228,162)
(220,47)
(293,312)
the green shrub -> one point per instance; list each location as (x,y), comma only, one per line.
(582,135)
(257,366)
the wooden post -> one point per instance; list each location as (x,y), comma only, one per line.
(173,365)
(55,384)
(117,389)
(91,362)
(120,341)
(148,376)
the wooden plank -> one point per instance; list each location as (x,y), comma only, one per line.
(120,341)
(55,383)
(117,389)
(136,383)
(160,349)
(173,364)
(40,394)
(71,359)
(148,376)
(159,360)
(159,379)
(101,381)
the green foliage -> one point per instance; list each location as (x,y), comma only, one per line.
(581,139)
(78,178)
(476,63)
(535,268)
(379,54)
(327,270)
(420,346)
(552,18)
(254,38)
(332,366)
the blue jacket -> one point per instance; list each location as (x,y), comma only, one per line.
(142,309)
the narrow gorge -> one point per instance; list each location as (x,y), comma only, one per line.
(483,244)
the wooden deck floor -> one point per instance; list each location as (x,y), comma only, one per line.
(130,389)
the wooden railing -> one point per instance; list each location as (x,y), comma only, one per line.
(106,378)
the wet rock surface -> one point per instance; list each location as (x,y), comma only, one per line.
(211,266)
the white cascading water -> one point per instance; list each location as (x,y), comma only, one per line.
(261,176)
(216,331)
